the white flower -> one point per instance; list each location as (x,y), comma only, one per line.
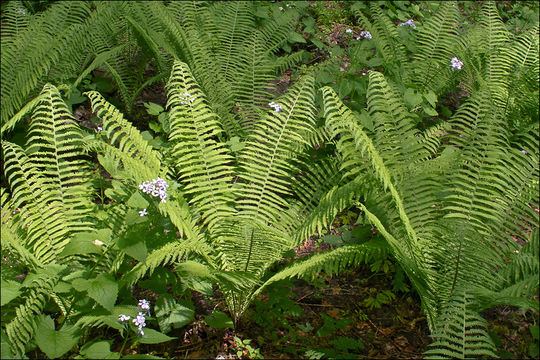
(98,243)
(99,128)
(123,318)
(348,31)
(524,152)
(281,8)
(456,64)
(143,212)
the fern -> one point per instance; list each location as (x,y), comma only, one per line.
(461,332)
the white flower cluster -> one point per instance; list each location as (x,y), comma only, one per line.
(157,187)
(186,97)
(365,35)
(349,31)
(409,22)
(456,64)
(276,107)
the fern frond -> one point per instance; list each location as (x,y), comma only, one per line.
(170,253)
(435,48)
(331,262)
(203,163)
(461,332)
(265,161)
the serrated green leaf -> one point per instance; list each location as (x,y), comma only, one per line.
(295,37)
(153,108)
(10,290)
(103,289)
(99,350)
(137,201)
(55,343)
(172,314)
(411,98)
(219,320)
(152,336)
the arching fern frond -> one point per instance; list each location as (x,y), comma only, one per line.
(203,163)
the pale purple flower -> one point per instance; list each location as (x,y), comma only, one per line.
(349,31)
(280,8)
(276,107)
(524,152)
(456,64)
(409,22)
(99,128)
(143,212)
(144,305)
(140,320)
(156,187)
(98,243)
(123,318)
(365,34)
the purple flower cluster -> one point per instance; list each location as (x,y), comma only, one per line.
(409,22)
(276,107)
(456,64)
(365,35)
(156,187)
(140,319)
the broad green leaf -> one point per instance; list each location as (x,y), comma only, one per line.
(155,126)
(56,343)
(134,245)
(431,98)
(172,314)
(219,320)
(99,350)
(10,290)
(137,201)
(82,243)
(295,37)
(411,98)
(152,336)
(103,289)
(153,108)
(430,111)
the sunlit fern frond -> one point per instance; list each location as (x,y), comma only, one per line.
(265,162)
(386,39)
(203,163)
(55,148)
(331,262)
(121,134)
(170,253)
(21,329)
(435,43)
(27,59)
(394,129)
(340,120)
(56,200)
